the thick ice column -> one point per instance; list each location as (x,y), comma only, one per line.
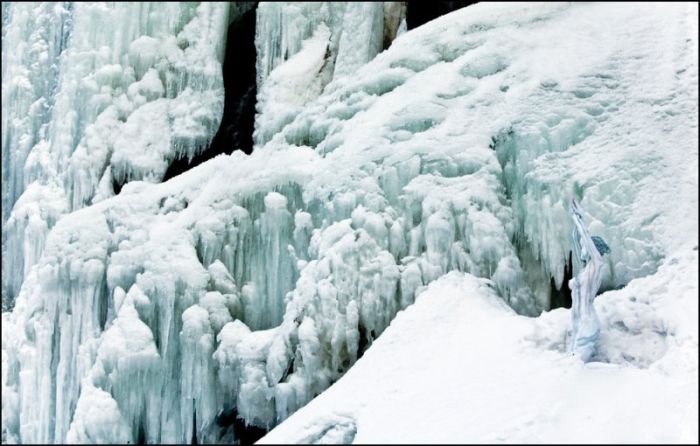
(34,36)
(362,36)
(198,397)
(273,271)
(439,236)
(155,359)
(62,314)
(254,400)
(35,213)
(356,33)
(122,382)
(228,362)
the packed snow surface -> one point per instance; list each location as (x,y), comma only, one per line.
(459,366)
(248,285)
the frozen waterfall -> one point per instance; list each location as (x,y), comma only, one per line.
(302,46)
(247,285)
(99,94)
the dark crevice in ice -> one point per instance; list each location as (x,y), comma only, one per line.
(117,185)
(562,297)
(245,434)
(365,340)
(103,303)
(194,426)
(141,434)
(236,128)
(420,12)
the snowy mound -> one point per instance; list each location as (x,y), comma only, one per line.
(458,367)
(247,286)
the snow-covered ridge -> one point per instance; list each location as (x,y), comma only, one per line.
(249,285)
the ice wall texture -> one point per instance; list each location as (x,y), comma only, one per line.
(302,46)
(95,95)
(248,285)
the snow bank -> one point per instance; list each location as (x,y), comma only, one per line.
(460,367)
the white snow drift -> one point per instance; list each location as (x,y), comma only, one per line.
(461,367)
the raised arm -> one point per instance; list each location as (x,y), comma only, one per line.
(583,235)
(577,244)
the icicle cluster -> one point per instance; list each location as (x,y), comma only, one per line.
(302,46)
(96,95)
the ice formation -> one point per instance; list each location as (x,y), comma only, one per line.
(248,285)
(302,46)
(99,94)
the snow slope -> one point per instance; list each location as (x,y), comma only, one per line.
(248,285)
(459,366)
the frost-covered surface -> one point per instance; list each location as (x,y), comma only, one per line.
(249,284)
(302,46)
(461,367)
(37,34)
(95,93)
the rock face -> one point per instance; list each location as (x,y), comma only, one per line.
(419,13)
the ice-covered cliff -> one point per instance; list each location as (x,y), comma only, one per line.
(246,286)
(302,46)
(598,101)
(95,95)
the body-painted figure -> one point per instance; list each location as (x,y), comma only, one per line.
(588,250)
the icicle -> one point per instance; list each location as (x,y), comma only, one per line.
(82,100)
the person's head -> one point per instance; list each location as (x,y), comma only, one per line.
(600,245)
